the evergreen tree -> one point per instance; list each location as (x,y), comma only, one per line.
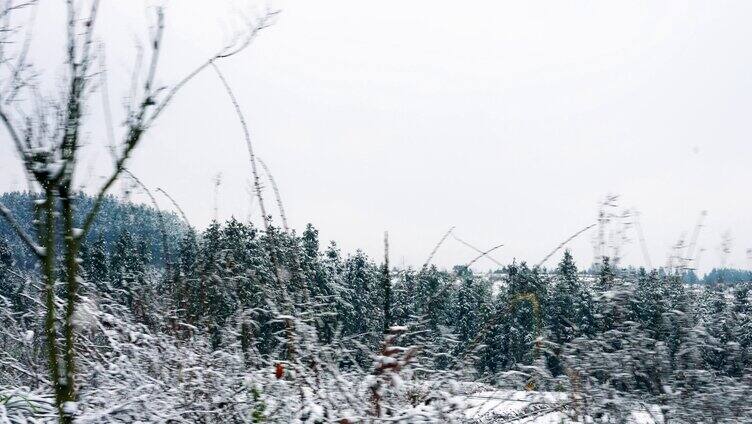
(97,269)
(470,306)
(721,351)
(651,303)
(527,295)
(215,295)
(570,310)
(329,290)
(431,299)
(678,317)
(209,255)
(320,281)
(127,270)
(361,278)
(495,357)
(606,275)
(741,323)
(8,290)
(310,242)
(188,254)
(185,278)
(6,258)
(228,273)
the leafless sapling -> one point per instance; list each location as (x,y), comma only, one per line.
(46,134)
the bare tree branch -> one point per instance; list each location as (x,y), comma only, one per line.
(17,141)
(110,129)
(562,244)
(8,215)
(247,135)
(174,203)
(136,129)
(482,254)
(139,123)
(276,195)
(436,248)
(14,85)
(227,51)
(74,108)
(7,10)
(454,236)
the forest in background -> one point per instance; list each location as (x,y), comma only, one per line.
(264,325)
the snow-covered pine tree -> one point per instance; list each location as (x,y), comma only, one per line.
(570,310)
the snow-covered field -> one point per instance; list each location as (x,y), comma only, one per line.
(510,406)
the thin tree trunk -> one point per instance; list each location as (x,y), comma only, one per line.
(48,270)
(71,274)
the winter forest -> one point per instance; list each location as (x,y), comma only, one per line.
(117,310)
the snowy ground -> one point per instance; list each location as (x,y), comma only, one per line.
(509,406)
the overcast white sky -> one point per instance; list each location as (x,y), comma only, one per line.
(509,120)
